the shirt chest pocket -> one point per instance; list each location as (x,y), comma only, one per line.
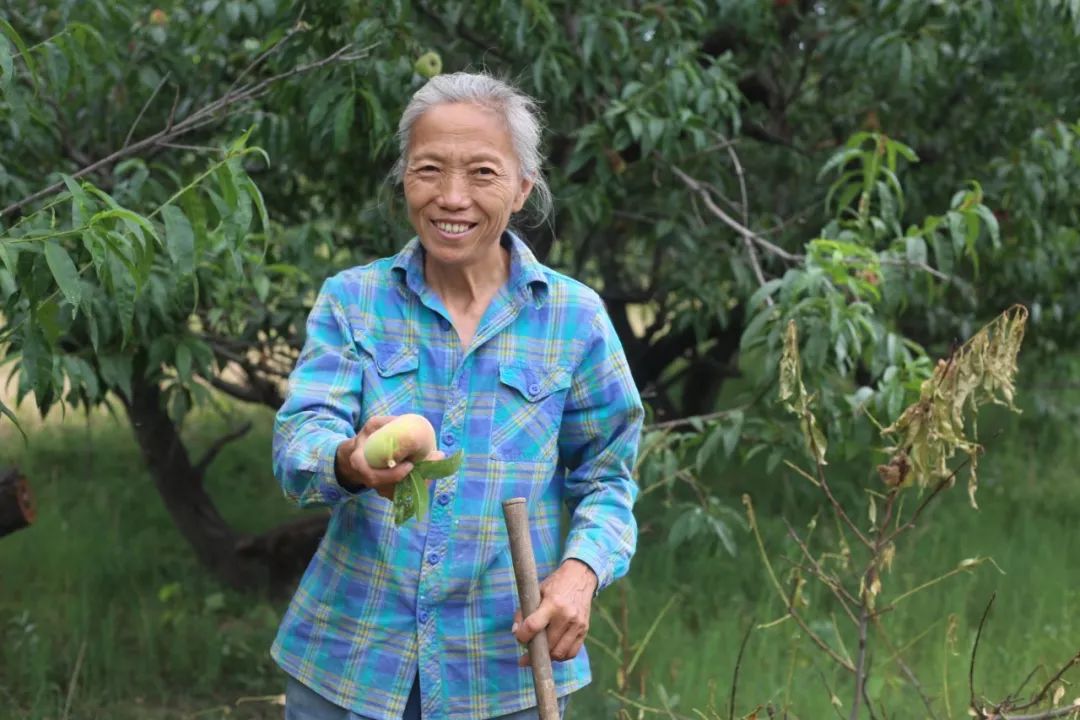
(390,377)
(528,408)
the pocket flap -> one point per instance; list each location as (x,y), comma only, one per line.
(534,382)
(391,358)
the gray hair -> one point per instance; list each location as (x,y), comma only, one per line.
(519,111)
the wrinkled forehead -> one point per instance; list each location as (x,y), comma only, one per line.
(464,132)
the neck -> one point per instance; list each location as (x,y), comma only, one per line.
(461,286)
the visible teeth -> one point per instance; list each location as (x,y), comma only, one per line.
(454,228)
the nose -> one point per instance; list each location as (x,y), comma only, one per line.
(454,191)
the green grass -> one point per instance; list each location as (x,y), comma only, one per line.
(101,601)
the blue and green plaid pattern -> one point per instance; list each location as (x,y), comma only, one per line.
(542,404)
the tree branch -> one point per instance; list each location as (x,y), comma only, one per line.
(738,664)
(1075,659)
(216,447)
(751,237)
(208,114)
(748,241)
(974,652)
(131,131)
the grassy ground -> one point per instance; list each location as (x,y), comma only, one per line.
(104,614)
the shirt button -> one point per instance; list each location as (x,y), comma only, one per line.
(534,388)
(423,616)
(433,558)
(448,439)
(444,498)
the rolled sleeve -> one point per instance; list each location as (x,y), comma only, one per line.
(322,407)
(598,445)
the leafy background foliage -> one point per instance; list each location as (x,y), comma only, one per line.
(889,174)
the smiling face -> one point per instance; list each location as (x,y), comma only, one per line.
(462,183)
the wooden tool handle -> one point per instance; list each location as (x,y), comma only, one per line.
(521,552)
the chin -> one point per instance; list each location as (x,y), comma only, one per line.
(449,252)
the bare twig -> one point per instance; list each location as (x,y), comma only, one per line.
(750,236)
(906,670)
(831,582)
(193,148)
(814,637)
(974,651)
(860,662)
(74,681)
(731,222)
(1041,695)
(221,442)
(172,110)
(945,482)
(1027,679)
(747,240)
(738,664)
(1072,710)
(131,131)
(836,505)
(207,115)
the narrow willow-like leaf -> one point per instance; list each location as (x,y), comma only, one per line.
(64,272)
(6,411)
(179,238)
(411,494)
(435,469)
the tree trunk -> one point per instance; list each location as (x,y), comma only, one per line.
(270,562)
(16,502)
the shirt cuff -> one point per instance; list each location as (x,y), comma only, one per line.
(325,473)
(592,556)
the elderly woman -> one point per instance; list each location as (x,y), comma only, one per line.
(513,363)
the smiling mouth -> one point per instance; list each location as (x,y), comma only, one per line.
(453,229)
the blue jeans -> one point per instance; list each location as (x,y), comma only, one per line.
(303,703)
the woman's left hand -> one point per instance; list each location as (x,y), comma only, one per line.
(565,603)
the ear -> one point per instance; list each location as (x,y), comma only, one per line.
(523,194)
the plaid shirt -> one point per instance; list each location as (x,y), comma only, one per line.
(542,404)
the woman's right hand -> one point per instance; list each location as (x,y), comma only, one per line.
(353,471)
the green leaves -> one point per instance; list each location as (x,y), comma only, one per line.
(65,272)
(411,494)
(179,239)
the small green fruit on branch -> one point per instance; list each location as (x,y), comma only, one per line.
(933,429)
(409,438)
(428,65)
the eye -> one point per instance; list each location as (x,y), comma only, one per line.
(485,171)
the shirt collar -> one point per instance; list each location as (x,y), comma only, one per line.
(527,278)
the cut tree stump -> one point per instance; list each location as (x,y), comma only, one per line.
(16,502)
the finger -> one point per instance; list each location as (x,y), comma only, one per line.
(567,646)
(360,464)
(535,622)
(523,661)
(436,455)
(374,423)
(390,476)
(559,631)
